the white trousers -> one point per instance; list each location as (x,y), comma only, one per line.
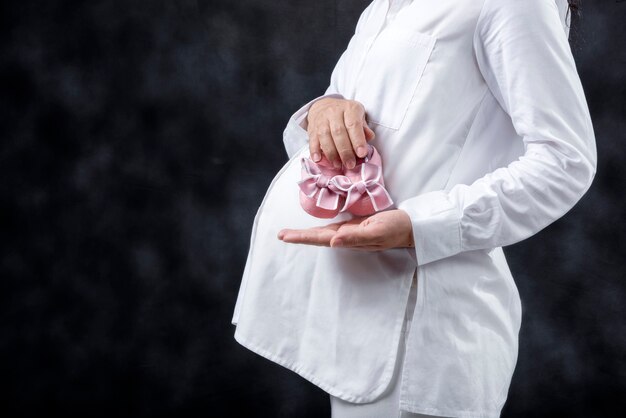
(388,405)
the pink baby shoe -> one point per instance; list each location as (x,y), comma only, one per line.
(318,197)
(363,185)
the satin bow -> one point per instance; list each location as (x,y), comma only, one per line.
(314,182)
(370,175)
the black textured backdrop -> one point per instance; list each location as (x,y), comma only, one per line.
(137,141)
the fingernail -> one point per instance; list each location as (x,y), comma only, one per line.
(281,234)
(337,164)
(361,151)
(337,243)
(351,163)
(316,157)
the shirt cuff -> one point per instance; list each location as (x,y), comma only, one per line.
(295,135)
(436,225)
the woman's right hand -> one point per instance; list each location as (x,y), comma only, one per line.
(337,127)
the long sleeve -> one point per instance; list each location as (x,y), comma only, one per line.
(525,58)
(295,135)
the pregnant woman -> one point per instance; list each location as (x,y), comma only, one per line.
(480,118)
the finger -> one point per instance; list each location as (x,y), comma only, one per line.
(314,145)
(327,144)
(353,236)
(353,120)
(369,133)
(338,242)
(342,139)
(332,227)
(312,236)
(367,248)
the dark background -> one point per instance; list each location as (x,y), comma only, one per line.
(137,141)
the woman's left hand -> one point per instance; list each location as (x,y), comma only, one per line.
(380,231)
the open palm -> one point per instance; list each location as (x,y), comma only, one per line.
(381,231)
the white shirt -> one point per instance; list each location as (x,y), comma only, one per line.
(485,134)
